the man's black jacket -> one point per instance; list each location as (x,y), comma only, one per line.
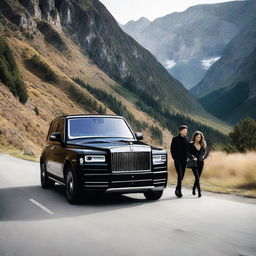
(179,148)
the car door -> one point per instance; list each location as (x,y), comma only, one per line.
(50,153)
(59,150)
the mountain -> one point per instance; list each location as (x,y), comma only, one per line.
(229,88)
(134,28)
(73,57)
(188,43)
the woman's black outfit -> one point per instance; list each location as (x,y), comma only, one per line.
(193,152)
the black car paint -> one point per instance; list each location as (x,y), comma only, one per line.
(56,155)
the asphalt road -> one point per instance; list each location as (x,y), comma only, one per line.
(38,222)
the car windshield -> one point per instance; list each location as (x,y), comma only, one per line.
(103,127)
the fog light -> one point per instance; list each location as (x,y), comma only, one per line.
(81,160)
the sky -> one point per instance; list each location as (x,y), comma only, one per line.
(126,10)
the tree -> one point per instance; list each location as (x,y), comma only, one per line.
(243,136)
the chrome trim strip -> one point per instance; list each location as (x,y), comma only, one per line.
(160,172)
(132,172)
(135,148)
(158,179)
(159,182)
(129,188)
(95,170)
(97,182)
(97,174)
(159,167)
(135,171)
(120,181)
(93,186)
(62,183)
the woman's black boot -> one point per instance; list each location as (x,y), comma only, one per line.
(199,192)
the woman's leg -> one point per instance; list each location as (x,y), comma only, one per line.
(200,167)
(197,181)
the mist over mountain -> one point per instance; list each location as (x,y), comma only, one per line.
(229,88)
(188,43)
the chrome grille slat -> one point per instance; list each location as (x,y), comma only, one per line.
(130,161)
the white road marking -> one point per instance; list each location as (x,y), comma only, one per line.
(41,206)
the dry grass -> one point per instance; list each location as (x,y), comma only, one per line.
(22,129)
(225,173)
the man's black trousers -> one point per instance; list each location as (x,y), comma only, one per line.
(180,166)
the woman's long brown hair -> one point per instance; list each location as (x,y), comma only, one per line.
(202,141)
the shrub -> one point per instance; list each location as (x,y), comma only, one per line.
(156,134)
(85,101)
(9,73)
(36,110)
(42,69)
(243,136)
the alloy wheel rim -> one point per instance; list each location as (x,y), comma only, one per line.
(43,172)
(70,184)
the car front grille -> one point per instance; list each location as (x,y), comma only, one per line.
(130,162)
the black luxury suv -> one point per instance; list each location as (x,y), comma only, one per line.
(101,153)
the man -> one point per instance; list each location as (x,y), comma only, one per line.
(178,150)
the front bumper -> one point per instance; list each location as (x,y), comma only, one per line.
(98,177)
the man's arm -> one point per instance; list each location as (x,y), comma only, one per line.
(173,148)
(189,155)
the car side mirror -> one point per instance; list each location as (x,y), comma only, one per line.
(56,136)
(138,135)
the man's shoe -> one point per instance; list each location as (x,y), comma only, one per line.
(178,194)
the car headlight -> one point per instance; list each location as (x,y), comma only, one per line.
(94,158)
(159,159)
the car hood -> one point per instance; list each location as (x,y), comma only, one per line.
(112,145)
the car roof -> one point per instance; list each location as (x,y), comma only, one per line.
(87,115)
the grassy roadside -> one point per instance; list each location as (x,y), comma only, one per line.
(18,153)
(206,186)
(224,173)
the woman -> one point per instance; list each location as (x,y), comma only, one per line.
(197,151)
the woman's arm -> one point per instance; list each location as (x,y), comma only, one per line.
(202,154)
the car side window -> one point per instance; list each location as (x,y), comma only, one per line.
(61,128)
(53,128)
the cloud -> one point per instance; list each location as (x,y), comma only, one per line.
(206,63)
(169,64)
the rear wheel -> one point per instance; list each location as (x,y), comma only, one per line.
(153,195)
(45,181)
(72,189)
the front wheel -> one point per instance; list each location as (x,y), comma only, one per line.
(72,190)
(153,195)
(45,181)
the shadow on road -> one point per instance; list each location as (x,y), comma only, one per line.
(15,203)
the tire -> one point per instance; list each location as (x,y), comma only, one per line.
(45,181)
(71,186)
(153,195)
